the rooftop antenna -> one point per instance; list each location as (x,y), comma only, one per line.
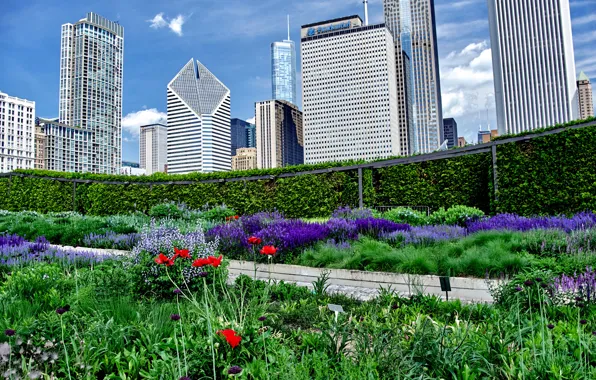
(365,12)
(288,27)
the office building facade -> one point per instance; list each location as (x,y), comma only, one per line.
(450,132)
(245,159)
(585,95)
(283,70)
(413,26)
(91,74)
(242,134)
(533,64)
(349,92)
(65,148)
(461,142)
(153,148)
(280,139)
(198,122)
(17,133)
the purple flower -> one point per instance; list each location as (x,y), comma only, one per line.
(232,238)
(583,322)
(518,289)
(184,378)
(528,283)
(60,311)
(290,235)
(177,291)
(234,370)
(203,274)
(378,227)
(112,240)
(9,332)
(352,214)
(262,319)
(255,223)
(550,326)
(426,235)
(175,317)
(517,223)
(342,230)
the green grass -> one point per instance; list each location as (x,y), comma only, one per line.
(476,255)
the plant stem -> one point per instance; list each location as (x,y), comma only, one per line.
(183,339)
(64,345)
(209,328)
(177,352)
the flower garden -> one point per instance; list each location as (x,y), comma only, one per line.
(161,307)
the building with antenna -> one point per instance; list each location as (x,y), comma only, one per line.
(349,91)
(586,102)
(283,69)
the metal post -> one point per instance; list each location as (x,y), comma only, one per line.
(495,179)
(360,192)
(74,196)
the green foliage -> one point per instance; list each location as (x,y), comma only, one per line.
(218,214)
(166,210)
(406,215)
(457,215)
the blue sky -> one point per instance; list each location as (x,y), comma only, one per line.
(232,38)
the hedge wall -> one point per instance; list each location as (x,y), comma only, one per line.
(545,175)
(548,175)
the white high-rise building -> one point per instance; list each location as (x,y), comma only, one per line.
(199,138)
(349,91)
(91,69)
(533,64)
(17,133)
(153,148)
(413,25)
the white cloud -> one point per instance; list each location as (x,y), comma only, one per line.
(158,21)
(134,120)
(251,120)
(587,19)
(176,24)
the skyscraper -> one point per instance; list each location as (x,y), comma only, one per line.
(61,147)
(280,140)
(198,122)
(533,64)
(413,25)
(243,135)
(586,102)
(450,128)
(17,129)
(153,148)
(350,97)
(91,69)
(283,69)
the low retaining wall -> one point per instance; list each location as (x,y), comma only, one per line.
(365,285)
(358,284)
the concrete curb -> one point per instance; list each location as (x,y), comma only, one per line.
(358,284)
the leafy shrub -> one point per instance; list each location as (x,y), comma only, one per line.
(166,210)
(218,213)
(457,215)
(406,216)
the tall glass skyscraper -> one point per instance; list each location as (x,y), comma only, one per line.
(91,69)
(283,70)
(413,25)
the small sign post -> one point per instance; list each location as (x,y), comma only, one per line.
(445,286)
(336,309)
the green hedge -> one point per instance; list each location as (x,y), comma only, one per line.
(546,175)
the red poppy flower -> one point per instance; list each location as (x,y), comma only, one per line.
(268,250)
(236,217)
(231,336)
(164,260)
(201,262)
(184,253)
(254,240)
(215,261)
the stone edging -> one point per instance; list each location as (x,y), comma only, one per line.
(358,284)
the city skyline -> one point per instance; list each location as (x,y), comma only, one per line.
(244,62)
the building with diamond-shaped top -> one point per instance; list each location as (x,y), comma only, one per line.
(199,138)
